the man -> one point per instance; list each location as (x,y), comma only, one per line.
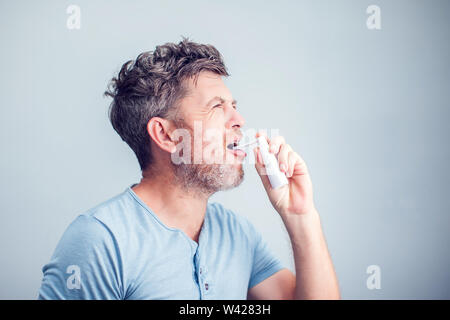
(161,238)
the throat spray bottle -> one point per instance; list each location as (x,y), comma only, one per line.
(276,177)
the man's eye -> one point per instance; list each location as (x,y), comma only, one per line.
(217,105)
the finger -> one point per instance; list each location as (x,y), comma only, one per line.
(259,164)
(258,159)
(262,134)
(276,143)
(283,157)
(292,161)
(300,165)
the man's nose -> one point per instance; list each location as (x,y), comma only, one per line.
(235,119)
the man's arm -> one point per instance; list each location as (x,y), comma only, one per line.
(279,286)
(85,265)
(315,279)
(315,275)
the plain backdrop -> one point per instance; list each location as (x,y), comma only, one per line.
(368,110)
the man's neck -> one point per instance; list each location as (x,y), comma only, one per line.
(175,207)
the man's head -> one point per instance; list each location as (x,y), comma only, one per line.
(179,87)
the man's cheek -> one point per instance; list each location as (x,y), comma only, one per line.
(212,154)
(213,150)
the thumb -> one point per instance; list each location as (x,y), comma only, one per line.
(261,169)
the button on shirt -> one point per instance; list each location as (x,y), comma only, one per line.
(120,249)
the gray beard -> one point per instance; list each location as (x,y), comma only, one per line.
(207,178)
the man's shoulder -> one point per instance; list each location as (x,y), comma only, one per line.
(108,223)
(112,210)
(116,215)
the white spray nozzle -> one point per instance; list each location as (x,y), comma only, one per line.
(250,144)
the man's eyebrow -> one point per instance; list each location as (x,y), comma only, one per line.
(222,100)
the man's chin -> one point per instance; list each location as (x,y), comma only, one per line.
(236,176)
(209,178)
(229,176)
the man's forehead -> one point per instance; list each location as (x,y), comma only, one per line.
(209,88)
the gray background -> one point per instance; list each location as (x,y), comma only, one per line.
(366,109)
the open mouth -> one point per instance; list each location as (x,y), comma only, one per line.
(236,152)
(231,146)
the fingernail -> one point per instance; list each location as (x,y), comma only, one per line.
(282,167)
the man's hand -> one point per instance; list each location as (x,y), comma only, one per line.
(296,198)
(315,275)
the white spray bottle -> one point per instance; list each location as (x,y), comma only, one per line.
(276,177)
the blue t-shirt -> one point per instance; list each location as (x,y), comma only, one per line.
(120,249)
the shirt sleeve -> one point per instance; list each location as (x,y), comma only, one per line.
(85,265)
(265,263)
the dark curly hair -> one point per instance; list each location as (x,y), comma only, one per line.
(152,85)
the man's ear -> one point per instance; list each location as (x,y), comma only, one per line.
(160,130)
